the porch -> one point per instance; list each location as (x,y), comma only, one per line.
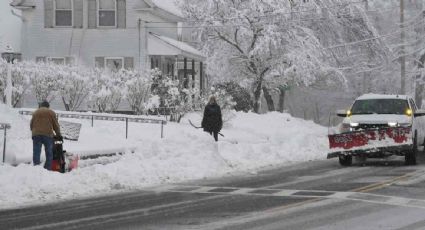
(177,59)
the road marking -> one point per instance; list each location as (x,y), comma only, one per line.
(376,186)
(327,174)
(284,207)
(358,194)
(372,179)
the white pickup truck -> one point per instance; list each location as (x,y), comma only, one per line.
(378,126)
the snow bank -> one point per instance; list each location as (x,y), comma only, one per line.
(251,142)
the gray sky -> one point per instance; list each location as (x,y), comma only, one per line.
(10,27)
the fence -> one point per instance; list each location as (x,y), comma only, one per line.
(93,117)
(4,126)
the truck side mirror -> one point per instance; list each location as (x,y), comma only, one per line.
(419,113)
(341,113)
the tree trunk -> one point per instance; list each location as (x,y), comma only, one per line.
(269,99)
(316,113)
(257,96)
(418,94)
(65,104)
(281,100)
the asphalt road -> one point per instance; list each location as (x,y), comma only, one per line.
(314,195)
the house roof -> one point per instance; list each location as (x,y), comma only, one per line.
(164,8)
(23,4)
(168,5)
(161,45)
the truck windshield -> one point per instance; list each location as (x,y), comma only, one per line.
(380,106)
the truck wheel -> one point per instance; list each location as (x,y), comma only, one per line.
(410,157)
(345,160)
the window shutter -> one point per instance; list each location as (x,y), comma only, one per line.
(128,63)
(48,14)
(40,59)
(78,14)
(100,62)
(92,11)
(121,14)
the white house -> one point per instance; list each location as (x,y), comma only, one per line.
(139,34)
(10,28)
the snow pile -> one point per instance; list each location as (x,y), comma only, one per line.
(251,142)
(18,137)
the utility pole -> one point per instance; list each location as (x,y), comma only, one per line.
(419,80)
(365,74)
(402,52)
(143,44)
(8,90)
(139,29)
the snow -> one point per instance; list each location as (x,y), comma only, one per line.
(381,96)
(251,142)
(169,6)
(178,44)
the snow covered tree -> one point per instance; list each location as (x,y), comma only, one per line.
(405,41)
(75,85)
(107,91)
(165,91)
(44,79)
(269,45)
(137,90)
(240,95)
(172,96)
(251,41)
(20,81)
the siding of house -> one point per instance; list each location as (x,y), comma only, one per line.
(85,44)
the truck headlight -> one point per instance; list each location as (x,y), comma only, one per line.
(354,124)
(392,124)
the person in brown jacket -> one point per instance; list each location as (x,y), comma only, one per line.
(44,126)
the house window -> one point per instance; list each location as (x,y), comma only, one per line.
(57,60)
(114,63)
(63,13)
(107,13)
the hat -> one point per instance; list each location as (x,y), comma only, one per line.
(45,104)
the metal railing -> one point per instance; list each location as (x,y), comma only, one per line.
(93,117)
(4,126)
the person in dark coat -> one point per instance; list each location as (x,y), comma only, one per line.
(212,121)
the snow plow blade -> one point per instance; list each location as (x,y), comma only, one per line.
(391,139)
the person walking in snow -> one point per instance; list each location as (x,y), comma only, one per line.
(212,121)
(44,126)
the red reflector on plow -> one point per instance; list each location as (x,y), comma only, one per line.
(361,138)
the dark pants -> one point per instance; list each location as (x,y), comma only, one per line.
(215,134)
(47,141)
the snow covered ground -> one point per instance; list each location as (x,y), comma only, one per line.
(251,142)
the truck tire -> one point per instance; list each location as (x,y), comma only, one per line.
(345,160)
(410,157)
